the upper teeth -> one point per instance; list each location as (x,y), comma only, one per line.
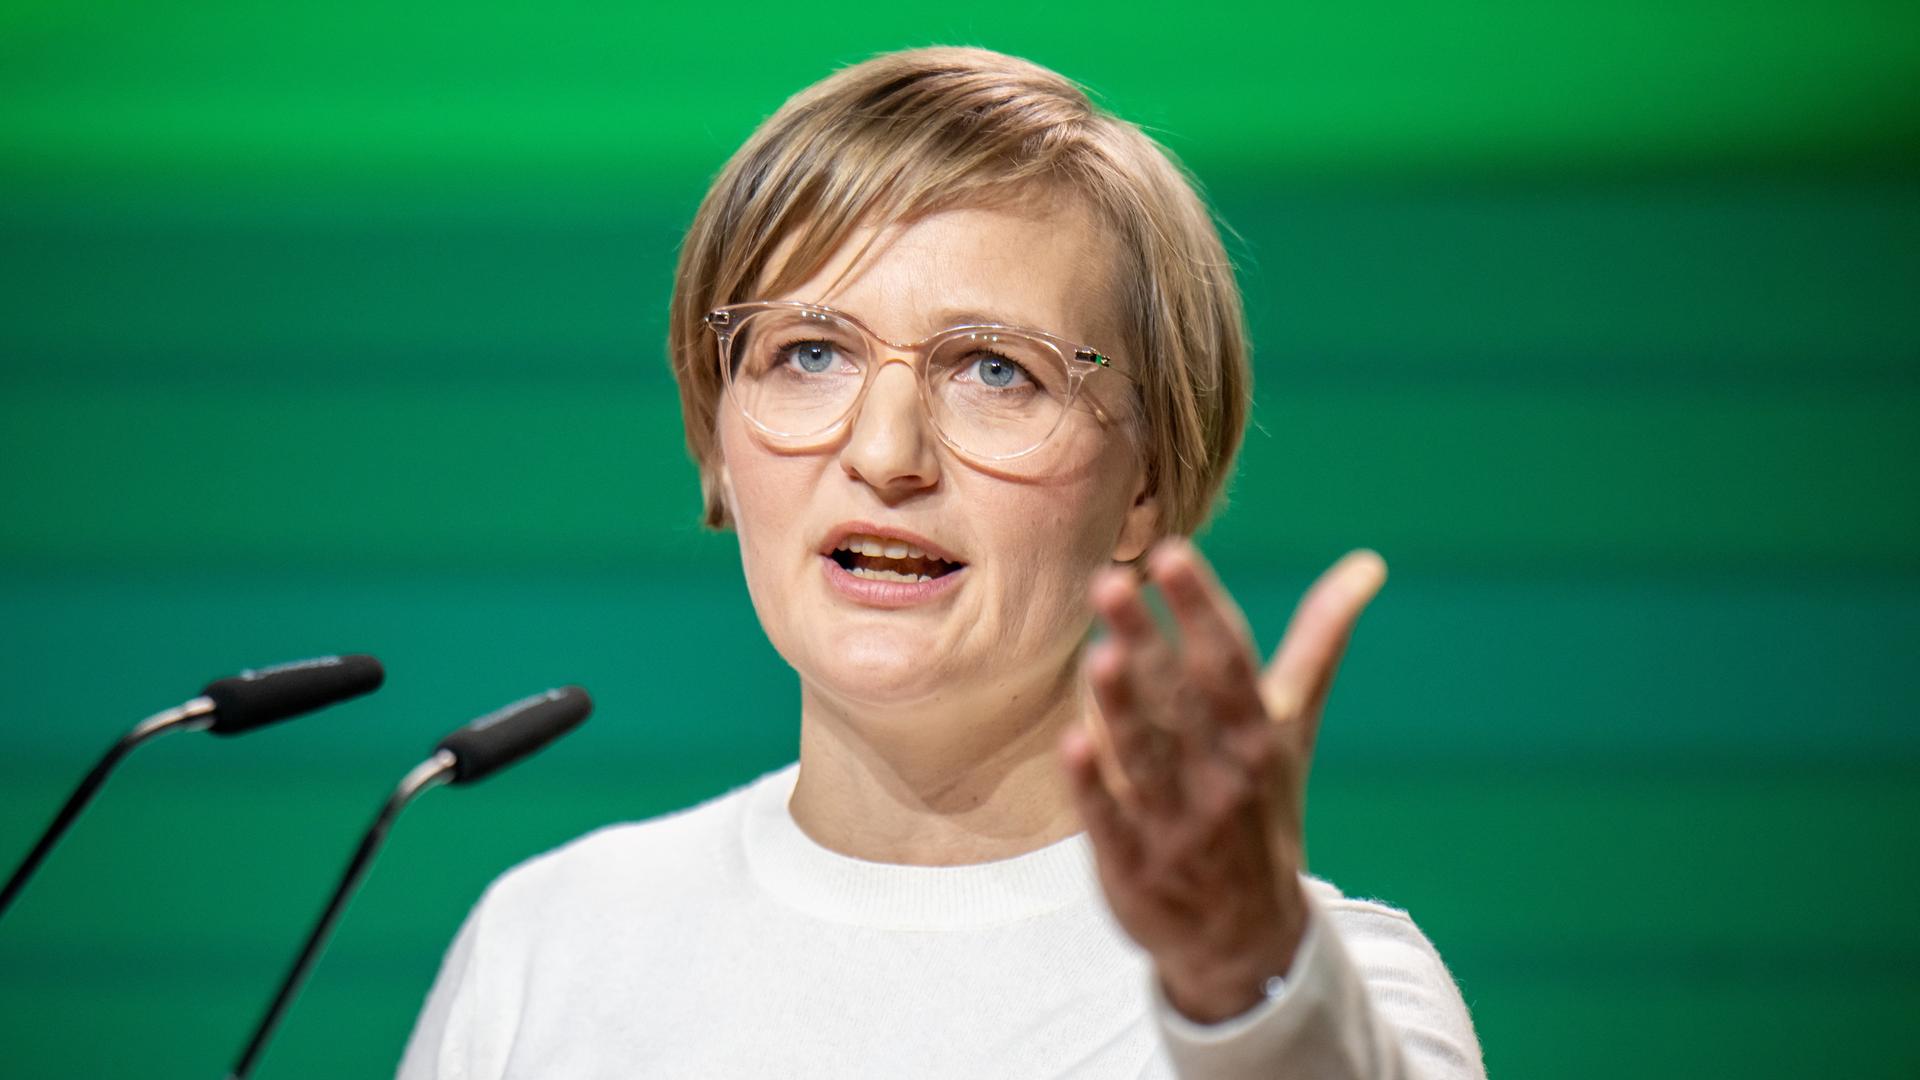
(875,546)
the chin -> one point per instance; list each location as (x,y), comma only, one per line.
(875,669)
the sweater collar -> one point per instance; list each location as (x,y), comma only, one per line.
(798,871)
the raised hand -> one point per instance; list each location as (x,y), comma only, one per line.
(1193,789)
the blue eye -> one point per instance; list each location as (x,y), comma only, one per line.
(813,357)
(997,371)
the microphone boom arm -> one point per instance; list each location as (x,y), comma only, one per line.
(195,715)
(434,771)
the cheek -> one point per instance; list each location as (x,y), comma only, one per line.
(1061,531)
(1054,539)
(766,499)
(1083,508)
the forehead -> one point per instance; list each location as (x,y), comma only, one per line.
(1042,267)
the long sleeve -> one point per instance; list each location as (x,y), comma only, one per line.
(721,941)
(1368,998)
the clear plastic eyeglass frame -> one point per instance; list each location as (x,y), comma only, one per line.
(1078,361)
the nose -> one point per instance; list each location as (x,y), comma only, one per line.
(890,447)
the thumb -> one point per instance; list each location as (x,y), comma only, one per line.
(1295,684)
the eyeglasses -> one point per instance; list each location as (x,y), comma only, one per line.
(798,371)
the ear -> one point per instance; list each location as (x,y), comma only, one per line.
(723,483)
(1141,526)
(716,494)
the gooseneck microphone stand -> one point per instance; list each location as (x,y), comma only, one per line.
(438,769)
(195,715)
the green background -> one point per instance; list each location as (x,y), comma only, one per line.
(332,328)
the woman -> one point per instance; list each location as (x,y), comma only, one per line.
(1001,852)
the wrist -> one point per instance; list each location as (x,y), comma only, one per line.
(1224,984)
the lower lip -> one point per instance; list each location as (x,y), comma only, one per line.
(888,594)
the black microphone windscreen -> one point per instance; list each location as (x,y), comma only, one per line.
(253,699)
(508,734)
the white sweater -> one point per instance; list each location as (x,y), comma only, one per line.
(722,941)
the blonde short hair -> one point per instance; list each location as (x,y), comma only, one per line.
(910,133)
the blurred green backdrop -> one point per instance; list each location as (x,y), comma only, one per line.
(338,328)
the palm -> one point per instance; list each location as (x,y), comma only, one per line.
(1193,788)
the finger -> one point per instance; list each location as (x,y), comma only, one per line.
(1116,596)
(1297,681)
(1148,652)
(1140,749)
(1216,646)
(1113,837)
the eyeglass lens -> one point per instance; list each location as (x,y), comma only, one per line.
(992,393)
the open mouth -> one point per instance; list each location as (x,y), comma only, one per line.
(876,559)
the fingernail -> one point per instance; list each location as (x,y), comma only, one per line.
(1165,554)
(1376,572)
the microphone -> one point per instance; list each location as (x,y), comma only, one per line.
(228,706)
(254,699)
(473,753)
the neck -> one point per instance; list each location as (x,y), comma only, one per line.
(942,782)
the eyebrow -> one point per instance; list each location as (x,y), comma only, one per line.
(966,316)
(949,317)
(969,316)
